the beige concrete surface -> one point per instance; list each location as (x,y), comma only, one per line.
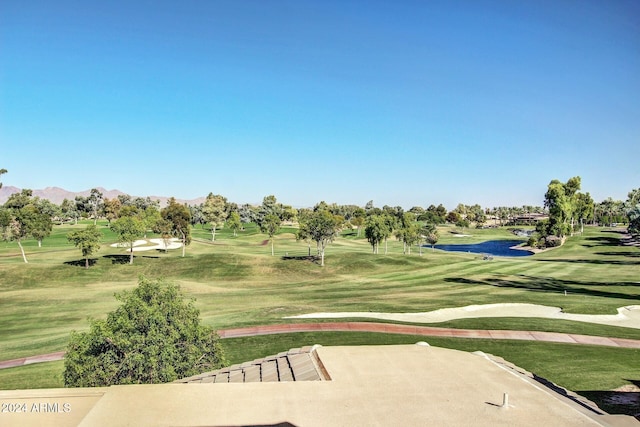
(53,407)
(370,386)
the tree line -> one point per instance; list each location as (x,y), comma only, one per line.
(567,211)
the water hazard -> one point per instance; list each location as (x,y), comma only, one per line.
(490,247)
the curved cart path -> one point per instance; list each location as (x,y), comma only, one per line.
(387,328)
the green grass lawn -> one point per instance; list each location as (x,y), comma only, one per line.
(236,282)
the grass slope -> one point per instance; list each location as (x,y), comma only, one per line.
(236,282)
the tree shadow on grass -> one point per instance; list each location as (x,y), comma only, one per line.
(616,401)
(311,258)
(601,241)
(118,259)
(547,284)
(124,259)
(82,262)
(594,261)
(632,254)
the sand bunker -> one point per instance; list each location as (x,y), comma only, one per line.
(151,245)
(628,316)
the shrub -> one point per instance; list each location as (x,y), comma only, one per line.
(155,336)
(552,241)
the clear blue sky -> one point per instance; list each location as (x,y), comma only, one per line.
(403,103)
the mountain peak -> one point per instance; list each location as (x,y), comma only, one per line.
(57,195)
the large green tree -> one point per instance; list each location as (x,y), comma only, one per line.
(376,230)
(87,240)
(633,211)
(95,201)
(154,336)
(437,214)
(270,206)
(179,217)
(408,231)
(165,229)
(23,218)
(633,197)
(128,229)
(357,219)
(150,215)
(270,225)
(39,223)
(560,199)
(634,220)
(432,238)
(320,226)
(567,208)
(609,211)
(2,172)
(111,209)
(429,233)
(583,209)
(214,212)
(69,210)
(14,230)
(233,222)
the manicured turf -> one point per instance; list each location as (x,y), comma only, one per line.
(236,282)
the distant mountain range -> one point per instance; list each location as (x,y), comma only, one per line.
(57,195)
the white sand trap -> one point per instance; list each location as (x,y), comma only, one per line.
(150,245)
(126,245)
(628,316)
(462,235)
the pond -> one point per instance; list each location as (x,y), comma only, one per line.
(491,247)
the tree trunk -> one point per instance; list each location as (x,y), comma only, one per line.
(24,257)
(131,253)
(272,246)
(86,263)
(184,244)
(39,243)
(571,225)
(420,246)
(385,246)
(213,233)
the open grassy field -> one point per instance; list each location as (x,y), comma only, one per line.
(236,282)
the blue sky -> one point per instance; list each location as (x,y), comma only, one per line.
(403,103)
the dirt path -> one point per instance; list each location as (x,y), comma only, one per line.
(382,328)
